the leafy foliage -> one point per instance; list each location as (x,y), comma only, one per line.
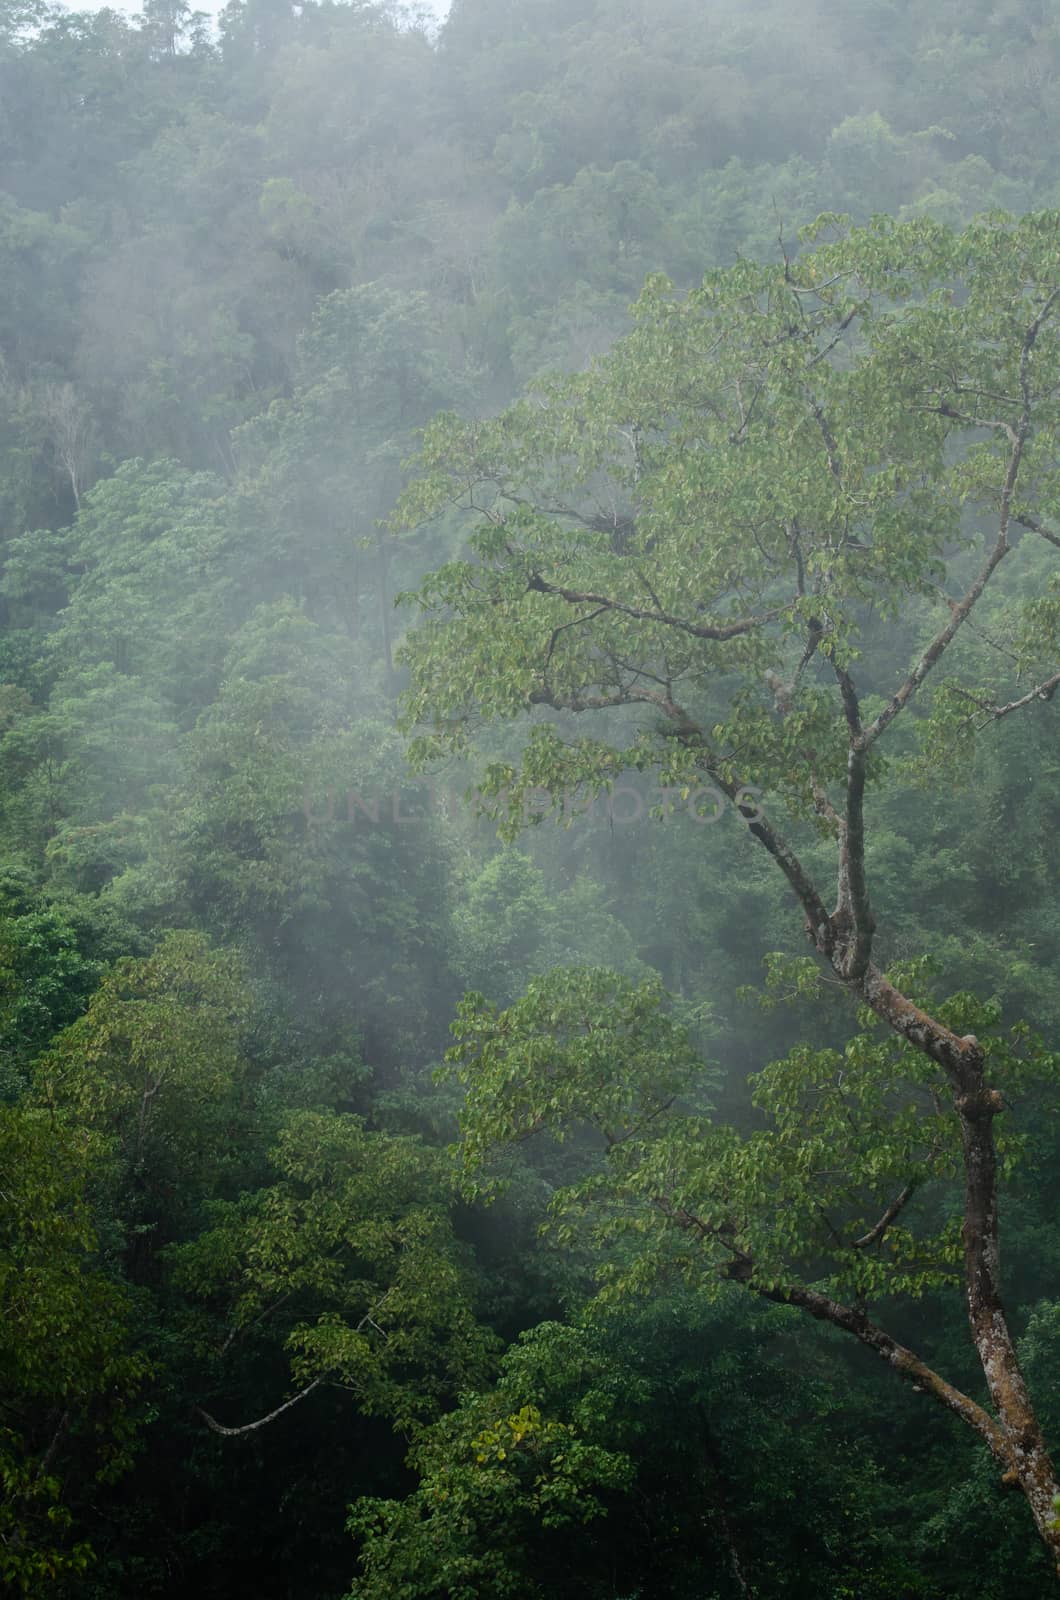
(244,264)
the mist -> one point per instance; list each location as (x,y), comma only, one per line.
(528,660)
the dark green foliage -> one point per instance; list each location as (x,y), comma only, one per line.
(658,1450)
(242,268)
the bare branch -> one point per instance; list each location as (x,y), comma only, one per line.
(876,1233)
(944,409)
(1032,524)
(993,712)
(262,1422)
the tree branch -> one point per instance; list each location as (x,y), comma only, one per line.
(817,918)
(949,1050)
(698,630)
(876,1233)
(262,1422)
(1001,547)
(49,1454)
(953,415)
(908,1365)
(1042,691)
(853,920)
(853,1320)
(1033,525)
(959,612)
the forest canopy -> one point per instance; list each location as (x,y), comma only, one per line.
(528,919)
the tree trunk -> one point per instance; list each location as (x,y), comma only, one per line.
(977,1104)
(843,940)
(1031,1466)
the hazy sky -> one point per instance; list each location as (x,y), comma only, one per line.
(132,8)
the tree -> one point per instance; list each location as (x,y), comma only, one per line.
(837,1200)
(701,542)
(297,835)
(349,1261)
(154,1067)
(67,422)
(52,956)
(69,1374)
(647,1450)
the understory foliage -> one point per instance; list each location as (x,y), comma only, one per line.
(388,1147)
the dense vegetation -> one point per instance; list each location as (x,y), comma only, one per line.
(265,1330)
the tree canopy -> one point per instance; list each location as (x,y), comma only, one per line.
(733,553)
(711,527)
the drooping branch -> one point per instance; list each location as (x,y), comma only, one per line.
(262,1422)
(367,1321)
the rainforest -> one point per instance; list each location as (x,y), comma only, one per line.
(530,800)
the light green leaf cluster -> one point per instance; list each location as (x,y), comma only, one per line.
(846,1183)
(486,1475)
(353,1243)
(157,1046)
(583,1048)
(792,448)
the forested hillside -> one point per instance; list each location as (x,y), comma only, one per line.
(404,1082)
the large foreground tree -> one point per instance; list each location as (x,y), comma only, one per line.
(713,546)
